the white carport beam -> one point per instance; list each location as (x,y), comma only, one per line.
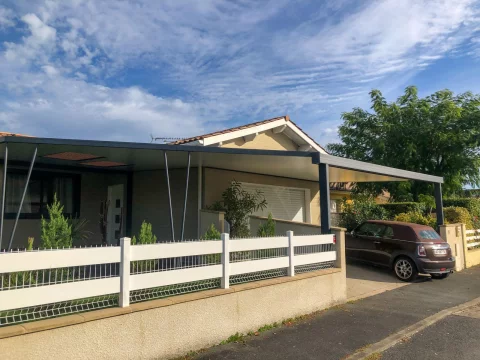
(339,162)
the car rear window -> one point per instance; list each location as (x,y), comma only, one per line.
(429,235)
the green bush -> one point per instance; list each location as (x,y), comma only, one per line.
(471,204)
(395,209)
(267,229)
(456,215)
(360,209)
(56,231)
(146,235)
(212,234)
(416,217)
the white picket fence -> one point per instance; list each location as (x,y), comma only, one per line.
(473,239)
(124,282)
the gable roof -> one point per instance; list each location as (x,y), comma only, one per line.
(6,133)
(280,123)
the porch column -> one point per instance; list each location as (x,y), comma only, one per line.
(439,204)
(324,184)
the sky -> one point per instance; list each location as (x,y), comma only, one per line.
(129,70)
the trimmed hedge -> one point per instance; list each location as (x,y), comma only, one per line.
(416,217)
(395,209)
(471,204)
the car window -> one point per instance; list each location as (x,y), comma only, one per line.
(369,229)
(388,232)
(429,234)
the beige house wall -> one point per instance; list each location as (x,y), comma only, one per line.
(163,329)
(217,180)
(263,141)
(150,202)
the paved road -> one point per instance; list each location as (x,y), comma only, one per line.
(336,333)
(455,337)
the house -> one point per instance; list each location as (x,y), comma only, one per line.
(171,185)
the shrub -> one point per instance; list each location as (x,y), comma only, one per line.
(212,234)
(146,235)
(416,217)
(456,215)
(471,204)
(267,229)
(30,241)
(395,209)
(56,231)
(360,209)
(238,204)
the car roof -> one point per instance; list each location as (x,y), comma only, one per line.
(400,223)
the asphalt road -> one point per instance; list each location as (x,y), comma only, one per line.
(336,333)
(455,337)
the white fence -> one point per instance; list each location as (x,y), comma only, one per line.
(473,239)
(94,272)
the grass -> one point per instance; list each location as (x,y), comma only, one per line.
(235,338)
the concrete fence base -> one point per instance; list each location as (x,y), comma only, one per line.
(162,329)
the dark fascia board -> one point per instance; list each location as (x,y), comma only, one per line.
(339,162)
(150,146)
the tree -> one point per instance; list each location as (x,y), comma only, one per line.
(238,204)
(437,135)
(56,231)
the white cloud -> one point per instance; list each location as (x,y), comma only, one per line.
(6,18)
(214,60)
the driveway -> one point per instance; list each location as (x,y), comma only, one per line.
(366,280)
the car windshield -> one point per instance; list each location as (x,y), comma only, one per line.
(429,235)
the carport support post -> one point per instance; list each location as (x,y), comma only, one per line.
(439,204)
(324,184)
(4,186)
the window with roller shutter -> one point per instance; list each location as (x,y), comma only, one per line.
(284,203)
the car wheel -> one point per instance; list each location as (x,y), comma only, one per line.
(405,269)
(440,276)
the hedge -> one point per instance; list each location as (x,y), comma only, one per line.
(395,209)
(471,204)
(458,215)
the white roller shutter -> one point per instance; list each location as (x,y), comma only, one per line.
(284,203)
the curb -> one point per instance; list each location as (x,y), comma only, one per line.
(395,338)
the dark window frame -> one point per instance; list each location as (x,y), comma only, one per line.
(46,175)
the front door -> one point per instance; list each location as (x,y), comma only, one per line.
(115,216)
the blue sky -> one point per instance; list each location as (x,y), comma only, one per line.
(122,70)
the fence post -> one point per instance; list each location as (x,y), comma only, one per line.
(291,254)
(124,296)
(225,284)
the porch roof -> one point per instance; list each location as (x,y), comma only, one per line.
(145,156)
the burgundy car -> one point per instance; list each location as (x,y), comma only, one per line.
(406,248)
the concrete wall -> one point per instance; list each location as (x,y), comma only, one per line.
(454,235)
(263,141)
(282,226)
(172,327)
(473,257)
(209,217)
(150,202)
(217,180)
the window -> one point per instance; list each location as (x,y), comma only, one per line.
(369,229)
(429,234)
(388,232)
(283,202)
(40,192)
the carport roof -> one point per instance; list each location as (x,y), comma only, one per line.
(144,156)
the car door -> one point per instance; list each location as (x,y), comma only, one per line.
(385,246)
(362,244)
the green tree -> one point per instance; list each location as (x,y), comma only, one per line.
(267,229)
(438,135)
(56,231)
(146,235)
(238,204)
